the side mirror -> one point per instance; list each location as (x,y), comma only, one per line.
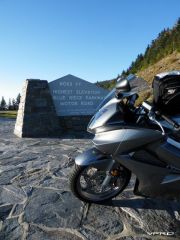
(121,87)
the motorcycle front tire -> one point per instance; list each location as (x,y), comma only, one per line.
(74,186)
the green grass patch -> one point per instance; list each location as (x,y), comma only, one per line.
(8,114)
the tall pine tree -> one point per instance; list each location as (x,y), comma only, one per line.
(18,98)
(3,104)
(9,104)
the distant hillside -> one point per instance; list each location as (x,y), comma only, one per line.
(107,84)
(167,42)
(169,63)
(163,54)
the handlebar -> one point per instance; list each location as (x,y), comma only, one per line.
(149,108)
(170,121)
(133,99)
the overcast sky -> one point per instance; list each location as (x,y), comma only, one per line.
(92,39)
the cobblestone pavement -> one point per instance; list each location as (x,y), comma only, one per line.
(36,203)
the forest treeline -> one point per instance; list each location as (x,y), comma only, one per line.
(12,104)
(167,42)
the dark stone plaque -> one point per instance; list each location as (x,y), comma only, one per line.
(73,96)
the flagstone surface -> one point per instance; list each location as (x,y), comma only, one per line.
(36,203)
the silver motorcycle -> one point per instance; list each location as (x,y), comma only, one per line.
(128,139)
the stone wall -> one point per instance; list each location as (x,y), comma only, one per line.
(36,115)
(74,123)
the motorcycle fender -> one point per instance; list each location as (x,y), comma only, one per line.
(95,158)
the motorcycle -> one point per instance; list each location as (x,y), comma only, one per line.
(128,140)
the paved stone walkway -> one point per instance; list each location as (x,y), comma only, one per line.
(35,201)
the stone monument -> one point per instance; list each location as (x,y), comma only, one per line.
(36,115)
(64,104)
(75,100)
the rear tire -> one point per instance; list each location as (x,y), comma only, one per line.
(74,184)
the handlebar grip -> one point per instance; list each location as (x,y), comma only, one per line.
(133,99)
(170,121)
(147,106)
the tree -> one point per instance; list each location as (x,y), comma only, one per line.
(3,104)
(13,104)
(123,73)
(178,21)
(9,104)
(18,98)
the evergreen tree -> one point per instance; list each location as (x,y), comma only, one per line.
(123,73)
(13,104)
(9,104)
(18,101)
(3,104)
(18,98)
(178,22)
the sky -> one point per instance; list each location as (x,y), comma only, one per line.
(91,39)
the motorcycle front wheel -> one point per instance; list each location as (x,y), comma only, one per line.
(86,183)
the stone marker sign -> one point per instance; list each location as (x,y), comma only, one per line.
(50,109)
(73,96)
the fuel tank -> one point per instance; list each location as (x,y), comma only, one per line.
(123,140)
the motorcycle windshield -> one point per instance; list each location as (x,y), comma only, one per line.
(109,96)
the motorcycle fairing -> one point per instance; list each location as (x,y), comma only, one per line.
(152,181)
(166,152)
(125,140)
(93,157)
(103,115)
(106,112)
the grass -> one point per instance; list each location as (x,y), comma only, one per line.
(8,114)
(169,63)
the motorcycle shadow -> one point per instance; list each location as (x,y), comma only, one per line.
(144,203)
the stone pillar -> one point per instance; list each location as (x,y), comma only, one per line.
(36,115)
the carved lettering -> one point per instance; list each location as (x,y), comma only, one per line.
(74,96)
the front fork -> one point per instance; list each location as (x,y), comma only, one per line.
(108,175)
(93,157)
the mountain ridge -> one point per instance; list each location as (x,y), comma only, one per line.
(163,54)
(168,63)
